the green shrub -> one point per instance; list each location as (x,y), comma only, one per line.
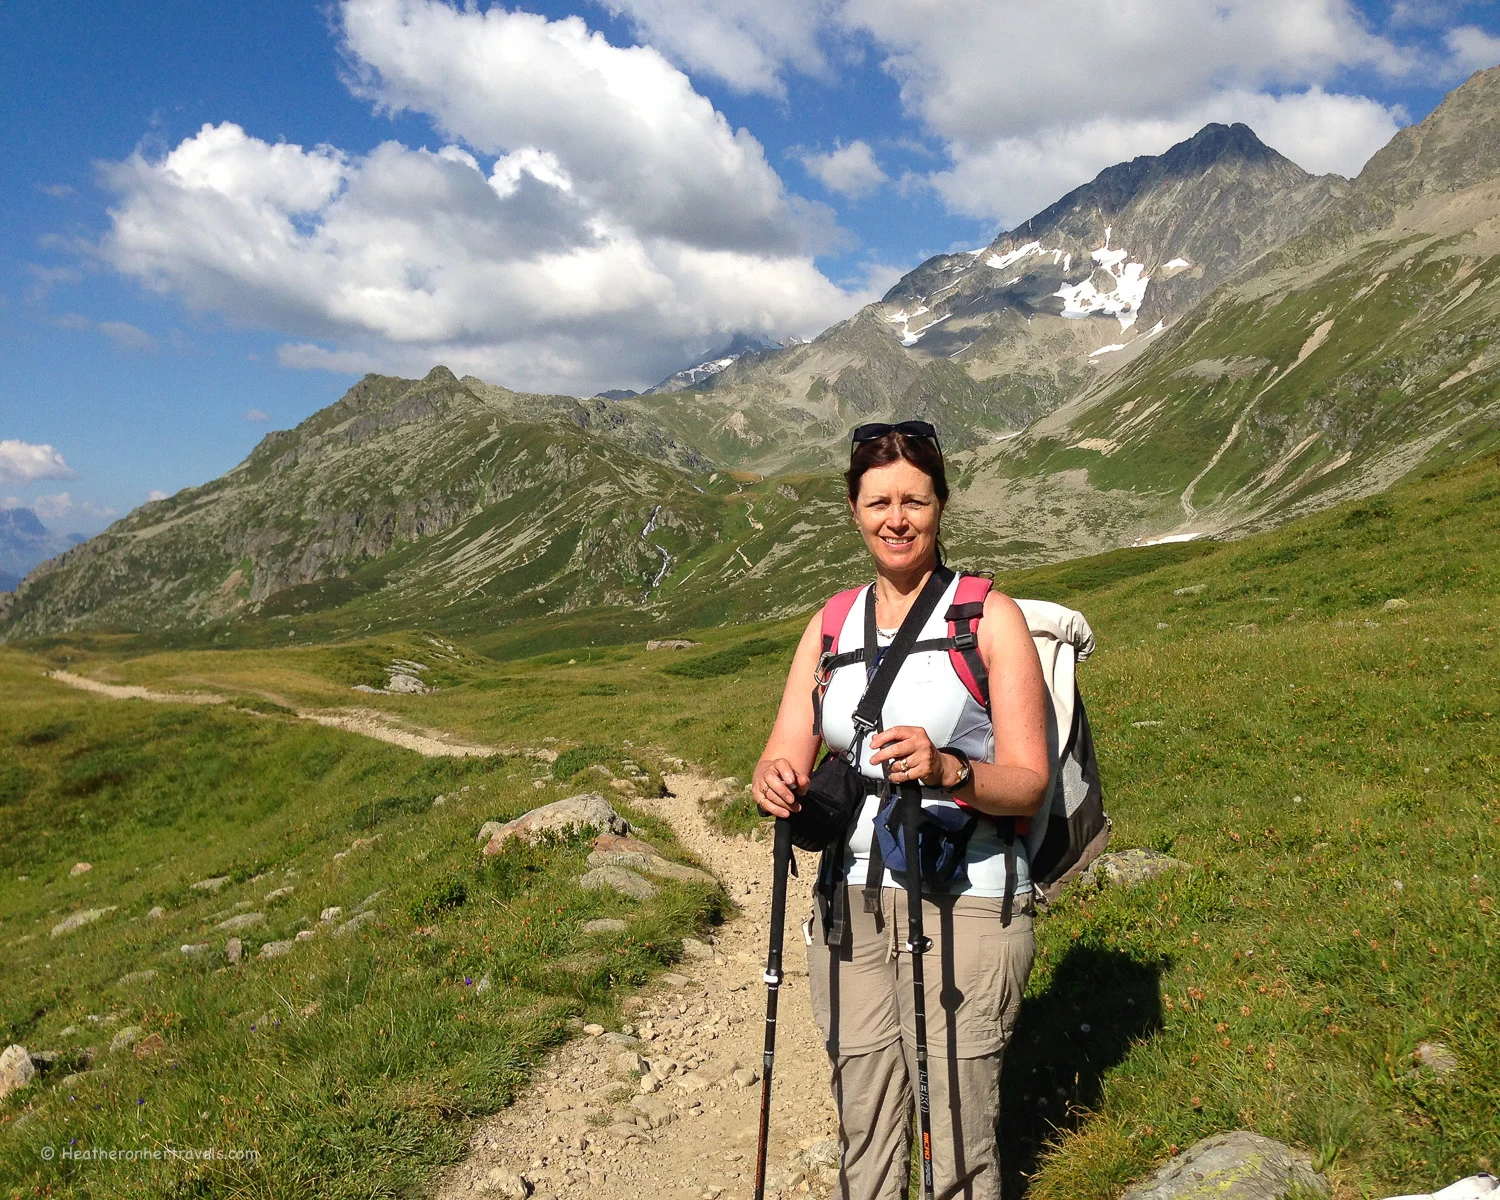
(729,660)
(449,894)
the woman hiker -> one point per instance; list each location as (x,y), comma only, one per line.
(995,762)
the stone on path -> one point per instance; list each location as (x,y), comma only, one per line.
(210,885)
(605,925)
(588,810)
(276,949)
(79,869)
(16,1070)
(145,976)
(242,921)
(1128,867)
(500,1182)
(674,980)
(692,948)
(81,918)
(626,882)
(1232,1166)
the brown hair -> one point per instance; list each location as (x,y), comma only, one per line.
(921,452)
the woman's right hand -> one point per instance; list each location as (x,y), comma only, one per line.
(775,786)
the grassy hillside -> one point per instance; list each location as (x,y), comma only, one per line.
(1325,762)
(345,1067)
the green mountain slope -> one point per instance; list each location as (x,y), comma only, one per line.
(1347,358)
(989,340)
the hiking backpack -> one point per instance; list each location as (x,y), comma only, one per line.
(1071,828)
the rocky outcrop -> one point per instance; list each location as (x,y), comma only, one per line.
(588,810)
(1233,1166)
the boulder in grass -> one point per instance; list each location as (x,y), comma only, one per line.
(618,879)
(624,843)
(1233,1166)
(16,1070)
(210,885)
(354,923)
(126,1038)
(145,976)
(242,921)
(79,919)
(1129,867)
(648,864)
(604,925)
(586,811)
(276,949)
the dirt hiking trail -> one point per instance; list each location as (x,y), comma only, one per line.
(367,722)
(584,1128)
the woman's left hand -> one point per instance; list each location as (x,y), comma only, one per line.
(911,754)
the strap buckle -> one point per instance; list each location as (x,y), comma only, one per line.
(967,640)
(822,676)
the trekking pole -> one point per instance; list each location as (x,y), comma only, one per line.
(917,945)
(780,860)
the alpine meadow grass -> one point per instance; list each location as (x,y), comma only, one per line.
(1305,717)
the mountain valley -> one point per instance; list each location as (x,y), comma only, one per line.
(1196,344)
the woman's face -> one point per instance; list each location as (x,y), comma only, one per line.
(898,515)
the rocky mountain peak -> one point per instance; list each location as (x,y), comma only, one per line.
(1457,146)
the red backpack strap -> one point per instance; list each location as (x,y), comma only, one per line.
(835,612)
(963,624)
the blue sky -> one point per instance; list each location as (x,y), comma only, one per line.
(219,216)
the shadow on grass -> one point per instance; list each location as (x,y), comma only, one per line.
(1097,1003)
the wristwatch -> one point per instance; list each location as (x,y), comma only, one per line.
(965,770)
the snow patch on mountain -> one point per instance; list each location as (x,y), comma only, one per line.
(1001,261)
(910,336)
(1122,301)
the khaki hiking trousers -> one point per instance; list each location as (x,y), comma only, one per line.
(974,975)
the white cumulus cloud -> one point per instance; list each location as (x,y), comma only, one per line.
(255,414)
(23,462)
(749,44)
(1472,49)
(1032,100)
(1015,177)
(849,170)
(594,222)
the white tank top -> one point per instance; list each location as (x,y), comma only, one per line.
(927,692)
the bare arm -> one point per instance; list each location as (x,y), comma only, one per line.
(792,747)
(1016,782)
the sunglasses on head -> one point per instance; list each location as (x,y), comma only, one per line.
(878,429)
